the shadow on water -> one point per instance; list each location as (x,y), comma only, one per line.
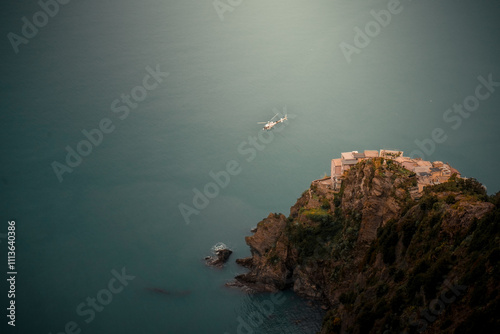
(281,312)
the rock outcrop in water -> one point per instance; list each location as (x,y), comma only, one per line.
(381,261)
(221,256)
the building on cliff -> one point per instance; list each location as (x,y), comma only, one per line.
(427,173)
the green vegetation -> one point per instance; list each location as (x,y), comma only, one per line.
(427,201)
(422,256)
(469,187)
(473,255)
(317,215)
(325,204)
(348,298)
(332,323)
(387,238)
(450,199)
(312,240)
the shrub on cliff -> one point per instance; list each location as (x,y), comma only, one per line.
(427,201)
(348,298)
(325,204)
(387,238)
(332,323)
(450,199)
(469,186)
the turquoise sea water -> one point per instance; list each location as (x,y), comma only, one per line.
(119,207)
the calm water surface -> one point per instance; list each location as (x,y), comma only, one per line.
(119,207)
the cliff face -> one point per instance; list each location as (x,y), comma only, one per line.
(268,244)
(377,193)
(381,261)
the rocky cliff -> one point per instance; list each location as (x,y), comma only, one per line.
(381,261)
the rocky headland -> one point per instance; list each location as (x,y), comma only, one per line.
(381,261)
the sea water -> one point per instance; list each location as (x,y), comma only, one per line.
(107,250)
